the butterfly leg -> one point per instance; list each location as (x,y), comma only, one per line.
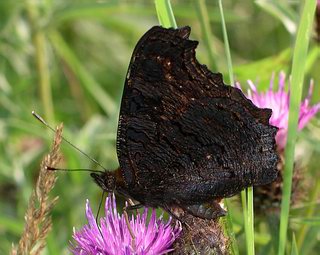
(125,209)
(207,211)
(175,216)
(172,214)
(133,207)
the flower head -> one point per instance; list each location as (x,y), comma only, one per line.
(278,101)
(112,235)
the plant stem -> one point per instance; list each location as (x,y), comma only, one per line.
(245,215)
(250,229)
(298,67)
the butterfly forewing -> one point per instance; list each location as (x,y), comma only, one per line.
(184,136)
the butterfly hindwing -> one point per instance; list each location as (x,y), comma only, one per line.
(183,135)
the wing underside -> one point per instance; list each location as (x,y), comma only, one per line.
(180,127)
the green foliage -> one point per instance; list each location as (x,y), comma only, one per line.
(298,66)
(165,14)
(68,59)
(294,248)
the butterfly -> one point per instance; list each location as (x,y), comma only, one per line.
(185,139)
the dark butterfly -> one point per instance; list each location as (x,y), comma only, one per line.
(185,138)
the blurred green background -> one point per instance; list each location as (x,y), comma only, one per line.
(68,59)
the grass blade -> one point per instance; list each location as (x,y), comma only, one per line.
(205,27)
(245,215)
(165,13)
(298,67)
(294,248)
(233,244)
(250,227)
(90,84)
(226,44)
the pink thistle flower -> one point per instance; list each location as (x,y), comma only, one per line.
(278,101)
(113,238)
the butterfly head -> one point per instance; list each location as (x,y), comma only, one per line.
(106,180)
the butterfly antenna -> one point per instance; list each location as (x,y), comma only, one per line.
(39,118)
(50,168)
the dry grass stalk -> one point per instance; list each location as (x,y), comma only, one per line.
(37,218)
